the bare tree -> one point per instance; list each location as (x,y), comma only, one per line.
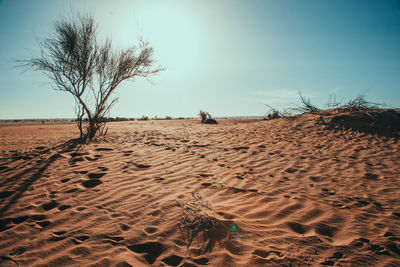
(78,64)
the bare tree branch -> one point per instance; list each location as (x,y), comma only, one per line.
(76,63)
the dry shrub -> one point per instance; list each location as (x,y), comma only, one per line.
(360,104)
(273,113)
(306,105)
(195,219)
(206,118)
(204,115)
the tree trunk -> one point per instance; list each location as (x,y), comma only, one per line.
(80,123)
(92,129)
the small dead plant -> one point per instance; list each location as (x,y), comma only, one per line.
(360,104)
(194,220)
(274,113)
(204,115)
(206,118)
(306,105)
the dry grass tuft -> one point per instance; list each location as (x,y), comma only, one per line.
(195,219)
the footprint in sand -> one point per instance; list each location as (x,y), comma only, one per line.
(370,176)
(71,190)
(297,227)
(95,175)
(291,170)
(201,261)
(327,263)
(142,166)
(50,205)
(325,229)
(152,250)
(150,230)
(8,223)
(125,227)
(77,154)
(64,207)
(3,167)
(336,255)
(77,159)
(43,224)
(94,179)
(237,148)
(104,149)
(38,217)
(5,193)
(172,260)
(91,183)
(378,249)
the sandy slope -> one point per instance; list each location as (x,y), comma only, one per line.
(285,192)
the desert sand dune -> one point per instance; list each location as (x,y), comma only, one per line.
(285,192)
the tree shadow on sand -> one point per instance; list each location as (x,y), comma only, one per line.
(14,187)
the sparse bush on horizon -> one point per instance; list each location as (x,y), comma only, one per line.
(204,115)
(143,118)
(206,118)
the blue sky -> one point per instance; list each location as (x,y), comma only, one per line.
(227,57)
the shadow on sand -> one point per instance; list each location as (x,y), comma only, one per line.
(15,186)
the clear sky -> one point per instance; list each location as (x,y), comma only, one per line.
(227,57)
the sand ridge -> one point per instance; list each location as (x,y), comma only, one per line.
(285,192)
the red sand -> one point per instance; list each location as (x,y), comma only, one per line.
(286,192)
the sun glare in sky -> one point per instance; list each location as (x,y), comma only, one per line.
(228,57)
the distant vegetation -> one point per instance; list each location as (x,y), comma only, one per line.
(357,114)
(78,63)
(143,118)
(359,104)
(206,117)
